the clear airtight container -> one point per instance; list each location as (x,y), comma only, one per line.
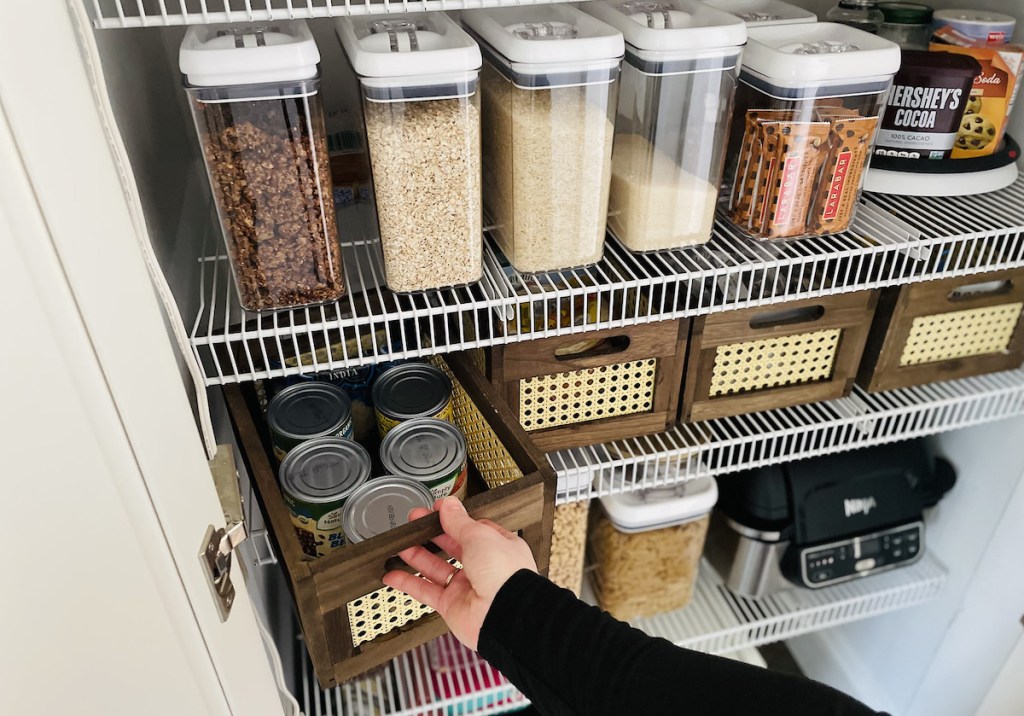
(807,112)
(254,92)
(675,102)
(419,74)
(549,88)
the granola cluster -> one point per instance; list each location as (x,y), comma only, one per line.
(270,174)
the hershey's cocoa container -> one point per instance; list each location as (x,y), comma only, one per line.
(430,451)
(922,113)
(305,411)
(412,390)
(317,478)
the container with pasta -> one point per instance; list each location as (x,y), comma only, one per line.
(548,94)
(646,547)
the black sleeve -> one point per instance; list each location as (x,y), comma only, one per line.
(571,658)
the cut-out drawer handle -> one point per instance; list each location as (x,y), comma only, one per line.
(589,348)
(980,290)
(787,317)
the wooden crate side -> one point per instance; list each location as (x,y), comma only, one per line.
(849,313)
(881,369)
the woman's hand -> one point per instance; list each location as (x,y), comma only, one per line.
(489,554)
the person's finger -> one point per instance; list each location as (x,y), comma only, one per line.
(416,587)
(449,545)
(417,512)
(455,520)
(498,528)
(426,563)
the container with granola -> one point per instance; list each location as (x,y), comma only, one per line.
(254,94)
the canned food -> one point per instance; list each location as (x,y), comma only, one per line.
(307,410)
(318,478)
(381,505)
(412,390)
(430,451)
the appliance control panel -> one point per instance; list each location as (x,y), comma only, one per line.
(852,557)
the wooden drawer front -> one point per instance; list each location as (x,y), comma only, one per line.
(570,391)
(351,622)
(762,358)
(939,330)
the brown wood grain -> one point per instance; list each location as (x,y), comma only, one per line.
(881,370)
(849,312)
(323,587)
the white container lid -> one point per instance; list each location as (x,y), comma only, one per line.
(411,46)
(660,507)
(760,13)
(671,26)
(542,39)
(981,18)
(821,53)
(225,55)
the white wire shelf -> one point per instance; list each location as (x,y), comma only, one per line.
(716,621)
(725,445)
(123,14)
(894,240)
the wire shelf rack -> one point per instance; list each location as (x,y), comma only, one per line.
(715,621)
(122,14)
(725,445)
(892,241)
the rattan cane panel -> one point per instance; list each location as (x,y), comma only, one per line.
(581,396)
(383,611)
(489,456)
(774,362)
(959,334)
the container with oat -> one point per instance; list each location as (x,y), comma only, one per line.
(807,109)
(254,92)
(646,547)
(675,103)
(419,75)
(549,87)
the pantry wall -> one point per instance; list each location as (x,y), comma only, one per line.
(139,69)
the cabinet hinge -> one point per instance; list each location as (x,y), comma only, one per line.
(220,542)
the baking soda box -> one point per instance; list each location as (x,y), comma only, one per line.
(991,99)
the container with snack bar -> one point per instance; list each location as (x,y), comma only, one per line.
(807,110)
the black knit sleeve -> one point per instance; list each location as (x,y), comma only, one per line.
(571,658)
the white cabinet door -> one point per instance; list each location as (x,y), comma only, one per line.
(111,490)
(1006,697)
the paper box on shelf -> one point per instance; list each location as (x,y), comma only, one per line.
(992,97)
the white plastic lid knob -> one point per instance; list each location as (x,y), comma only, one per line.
(226,55)
(759,13)
(671,25)
(660,507)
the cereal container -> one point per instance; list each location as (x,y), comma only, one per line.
(675,103)
(549,87)
(646,547)
(254,92)
(807,109)
(419,74)
(758,13)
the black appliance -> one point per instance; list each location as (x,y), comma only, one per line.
(818,522)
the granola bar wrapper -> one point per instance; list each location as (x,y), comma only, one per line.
(795,151)
(836,199)
(747,167)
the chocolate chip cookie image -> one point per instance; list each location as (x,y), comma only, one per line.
(976,132)
(973,106)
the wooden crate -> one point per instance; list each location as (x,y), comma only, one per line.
(626,385)
(940,330)
(762,358)
(352,622)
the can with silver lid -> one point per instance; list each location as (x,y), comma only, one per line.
(381,505)
(317,479)
(412,390)
(304,411)
(430,451)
